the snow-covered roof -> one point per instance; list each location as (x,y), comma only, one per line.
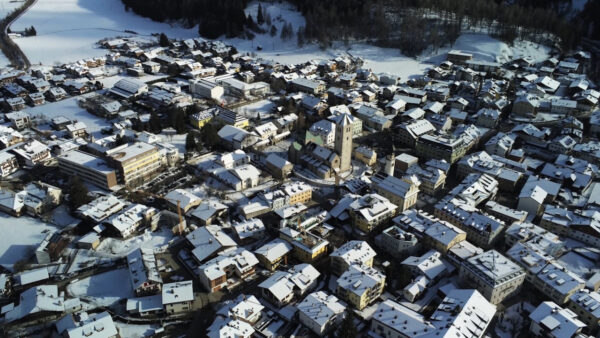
(321,307)
(557,321)
(177,292)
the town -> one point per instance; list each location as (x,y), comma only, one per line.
(184,187)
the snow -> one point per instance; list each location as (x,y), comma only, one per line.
(150,240)
(577,264)
(513,320)
(135,330)
(61,216)
(104,289)
(68,30)
(7,6)
(389,60)
(177,140)
(20,237)
(70,108)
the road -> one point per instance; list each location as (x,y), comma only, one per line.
(12,51)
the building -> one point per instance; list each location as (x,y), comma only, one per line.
(343,141)
(127,221)
(297,192)
(429,265)
(77,129)
(128,87)
(370,211)
(281,287)
(182,199)
(279,167)
(307,86)
(89,168)
(273,254)
(401,192)
(19,119)
(586,304)
(550,320)
(320,312)
(231,118)
(8,164)
(351,253)
(558,283)
(360,285)
(99,325)
(444,148)
(200,119)
(206,89)
(32,153)
(308,247)
(366,155)
(462,313)
(178,297)
(214,273)
(135,163)
(144,276)
(494,275)
(101,208)
(397,242)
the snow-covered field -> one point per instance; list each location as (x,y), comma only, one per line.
(20,236)
(104,289)
(7,6)
(135,330)
(378,59)
(67,30)
(70,109)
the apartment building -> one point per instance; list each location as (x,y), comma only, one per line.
(135,162)
(89,168)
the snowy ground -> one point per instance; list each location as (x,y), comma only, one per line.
(136,331)
(176,140)
(104,289)
(70,109)
(20,236)
(262,109)
(7,6)
(67,30)
(150,240)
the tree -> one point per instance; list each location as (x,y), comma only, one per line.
(210,135)
(347,328)
(273,31)
(260,19)
(301,37)
(163,40)
(190,142)
(154,124)
(78,193)
(32,31)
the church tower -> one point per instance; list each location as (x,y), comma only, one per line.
(343,140)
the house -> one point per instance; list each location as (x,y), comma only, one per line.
(397,242)
(360,285)
(144,275)
(307,86)
(207,241)
(208,211)
(99,325)
(429,265)
(401,192)
(249,230)
(273,254)
(43,299)
(214,273)
(371,210)
(366,155)
(320,312)
(127,88)
(279,167)
(77,129)
(127,221)
(8,164)
(550,320)
(587,304)
(33,152)
(181,199)
(18,119)
(281,287)
(177,297)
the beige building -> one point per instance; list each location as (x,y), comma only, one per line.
(360,285)
(135,162)
(343,141)
(402,192)
(89,168)
(493,275)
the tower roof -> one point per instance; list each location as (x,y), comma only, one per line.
(343,120)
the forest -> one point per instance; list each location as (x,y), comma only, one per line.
(410,25)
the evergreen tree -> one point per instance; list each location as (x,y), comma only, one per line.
(163,40)
(260,19)
(301,37)
(347,328)
(32,31)
(190,142)
(273,31)
(210,135)
(154,124)
(78,193)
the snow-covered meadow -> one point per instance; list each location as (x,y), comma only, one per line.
(67,30)
(104,289)
(20,237)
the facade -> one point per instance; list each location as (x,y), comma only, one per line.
(401,192)
(273,254)
(178,297)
